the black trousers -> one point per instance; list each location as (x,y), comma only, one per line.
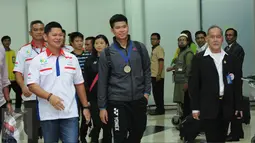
(158,93)
(31,121)
(14,85)
(216,129)
(84,127)
(2,109)
(128,120)
(186,106)
(97,125)
(236,128)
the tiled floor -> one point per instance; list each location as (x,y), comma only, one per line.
(171,135)
(161,130)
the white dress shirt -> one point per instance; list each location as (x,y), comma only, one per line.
(218,59)
(229,46)
(204,47)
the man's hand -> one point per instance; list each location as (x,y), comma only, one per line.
(9,107)
(57,102)
(241,114)
(87,115)
(169,69)
(196,115)
(104,116)
(26,91)
(158,77)
(146,96)
(185,87)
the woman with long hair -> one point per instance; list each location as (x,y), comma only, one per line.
(90,78)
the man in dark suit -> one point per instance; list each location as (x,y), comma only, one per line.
(236,50)
(215,87)
(233,47)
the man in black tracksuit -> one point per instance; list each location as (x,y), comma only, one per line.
(124,85)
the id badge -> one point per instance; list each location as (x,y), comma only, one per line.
(229,80)
(180,69)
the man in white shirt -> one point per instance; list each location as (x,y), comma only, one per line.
(23,59)
(215,88)
(54,77)
(201,41)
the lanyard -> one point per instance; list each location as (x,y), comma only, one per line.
(36,51)
(126,58)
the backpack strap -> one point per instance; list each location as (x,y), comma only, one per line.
(93,83)
(109,62)
(139,49)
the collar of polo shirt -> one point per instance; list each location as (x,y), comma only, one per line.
(49,53)
(35,46)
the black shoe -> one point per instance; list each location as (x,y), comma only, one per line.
(231,139)
(241,136)
(157,112)
(18,110)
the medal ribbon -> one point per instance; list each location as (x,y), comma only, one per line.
(126,58)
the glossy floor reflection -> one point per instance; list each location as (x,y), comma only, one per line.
(171,135)
(160,130)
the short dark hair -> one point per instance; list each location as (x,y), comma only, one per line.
(117,18)
(200,32)
(215,26)
(51,25)
(75,35)
(5,37)
(35,22)
(94,51)
(156,34)
(235,32)
(64,31)
(90,38)
(69,34)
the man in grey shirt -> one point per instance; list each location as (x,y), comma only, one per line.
(124,84)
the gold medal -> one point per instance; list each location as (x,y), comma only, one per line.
(127,69)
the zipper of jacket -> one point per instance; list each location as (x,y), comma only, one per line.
(132,90)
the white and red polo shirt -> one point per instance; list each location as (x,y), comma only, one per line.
(23,60)
(56,75)
(68,48)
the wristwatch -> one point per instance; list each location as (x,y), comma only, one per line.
(86,107)
(9,101)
